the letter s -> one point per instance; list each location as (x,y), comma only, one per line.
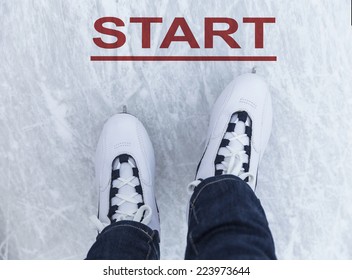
(121,38)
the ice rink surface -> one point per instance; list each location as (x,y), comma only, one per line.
(54,101)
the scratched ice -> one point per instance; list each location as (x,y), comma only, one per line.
(54,102)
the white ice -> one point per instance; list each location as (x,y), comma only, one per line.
(54,101)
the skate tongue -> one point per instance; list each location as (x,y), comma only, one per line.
(233,163)
(126,170)
(126,173)
(239,129)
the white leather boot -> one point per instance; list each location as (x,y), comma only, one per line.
(124,169)
(239,131)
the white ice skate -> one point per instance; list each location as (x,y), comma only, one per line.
(124,168)
(239,131)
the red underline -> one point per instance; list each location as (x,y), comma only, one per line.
(183,58)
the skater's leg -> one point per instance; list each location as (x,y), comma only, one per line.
(126,240)
(227,221)
(128,219)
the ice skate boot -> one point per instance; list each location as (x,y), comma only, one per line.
(124,168)
(239,131)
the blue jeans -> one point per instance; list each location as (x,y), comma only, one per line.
(226,221)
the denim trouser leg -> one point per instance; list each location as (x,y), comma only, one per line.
(126,240)
(227,221)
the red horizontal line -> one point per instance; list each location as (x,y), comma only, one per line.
(183,58)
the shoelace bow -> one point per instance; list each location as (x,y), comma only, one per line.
(235,164)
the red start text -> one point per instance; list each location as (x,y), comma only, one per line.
(186,36)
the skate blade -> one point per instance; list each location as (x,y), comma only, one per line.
(124,109)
